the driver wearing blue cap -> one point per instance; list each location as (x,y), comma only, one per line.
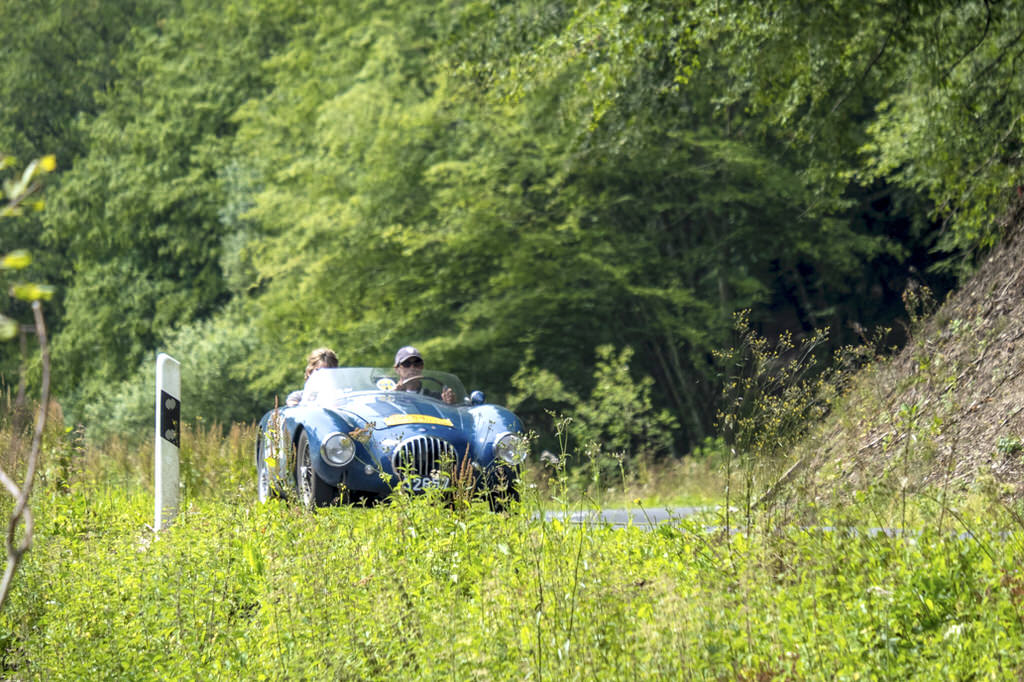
(409,365)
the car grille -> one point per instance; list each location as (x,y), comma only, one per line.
(423,456)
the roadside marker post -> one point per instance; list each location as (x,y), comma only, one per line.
(168,438)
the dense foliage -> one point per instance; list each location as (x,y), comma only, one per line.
(521,189)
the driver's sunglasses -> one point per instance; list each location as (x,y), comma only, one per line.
(412,362)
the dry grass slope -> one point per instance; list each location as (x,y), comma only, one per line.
(945,413)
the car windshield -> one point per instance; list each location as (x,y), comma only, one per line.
(326,386)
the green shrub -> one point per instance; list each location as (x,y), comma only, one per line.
(611,432)
(214,382)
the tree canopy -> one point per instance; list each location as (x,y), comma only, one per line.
(520,189)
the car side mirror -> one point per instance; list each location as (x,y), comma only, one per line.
(476,398)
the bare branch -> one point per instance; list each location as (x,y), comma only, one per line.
(11,486)
(21,514)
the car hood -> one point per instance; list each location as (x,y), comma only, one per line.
(395,410)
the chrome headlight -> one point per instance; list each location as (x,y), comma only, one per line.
(510,448)
(338,450)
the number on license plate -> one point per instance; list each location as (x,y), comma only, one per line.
(420,483)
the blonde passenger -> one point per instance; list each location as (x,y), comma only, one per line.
(318,359)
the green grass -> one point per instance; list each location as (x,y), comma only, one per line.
(415,590)
(419,590)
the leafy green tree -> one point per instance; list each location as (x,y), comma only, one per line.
(675,212)
(56,57)
(495,181)
(464,182)
(138,215)
(916,94)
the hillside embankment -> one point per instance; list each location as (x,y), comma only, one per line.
(945,413)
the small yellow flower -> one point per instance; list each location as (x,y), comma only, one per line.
(48,163)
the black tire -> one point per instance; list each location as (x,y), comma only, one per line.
(504,491)
(313,491)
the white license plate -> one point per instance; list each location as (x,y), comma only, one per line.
(420,483)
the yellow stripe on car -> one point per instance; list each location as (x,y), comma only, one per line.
(401,419)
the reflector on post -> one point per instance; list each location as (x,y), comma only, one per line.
(168,438)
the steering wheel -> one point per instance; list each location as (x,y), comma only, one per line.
(408,380)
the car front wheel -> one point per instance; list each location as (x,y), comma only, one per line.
(262,480)
(503,491)
(264,490)
(313,491)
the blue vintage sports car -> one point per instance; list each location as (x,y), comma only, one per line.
(353,436)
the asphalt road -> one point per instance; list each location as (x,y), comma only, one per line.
(624,517)
(649,518)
